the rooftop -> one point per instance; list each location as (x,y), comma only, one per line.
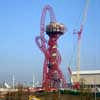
(87,72)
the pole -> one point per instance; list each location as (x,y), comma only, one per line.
(33,81)
(95,88)
(13,82)
(78,60)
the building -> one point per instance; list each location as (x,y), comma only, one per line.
(90,77)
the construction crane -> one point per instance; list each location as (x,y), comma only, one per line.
(79,33)
(52,75)
(76,84)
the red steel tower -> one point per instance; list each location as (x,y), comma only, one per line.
(52,75)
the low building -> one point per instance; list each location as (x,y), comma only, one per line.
(90,77)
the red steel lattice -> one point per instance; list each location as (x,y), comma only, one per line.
(52,75)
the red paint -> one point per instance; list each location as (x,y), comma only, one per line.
(52,75)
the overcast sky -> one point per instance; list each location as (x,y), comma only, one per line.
(20,24)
